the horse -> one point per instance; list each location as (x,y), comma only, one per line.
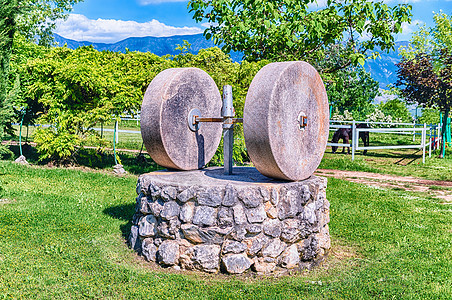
(346,134)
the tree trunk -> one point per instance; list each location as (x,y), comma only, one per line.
(443,134)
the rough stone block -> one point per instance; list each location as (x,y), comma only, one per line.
(199,220)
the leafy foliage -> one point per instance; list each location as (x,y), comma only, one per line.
(8,12)
(39,18)
(397,109)
(352,89)
(282,30)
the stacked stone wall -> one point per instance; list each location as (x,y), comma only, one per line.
(231,227)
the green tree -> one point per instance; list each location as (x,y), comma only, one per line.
(9,9)
(425,72)
(281,30)
(351,89)
(421,84)
(397,109)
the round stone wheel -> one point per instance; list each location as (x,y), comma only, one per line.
(166,106)
(279,96)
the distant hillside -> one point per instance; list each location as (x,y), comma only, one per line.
(157,45)
(382,69)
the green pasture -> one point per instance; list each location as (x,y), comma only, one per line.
(62,235)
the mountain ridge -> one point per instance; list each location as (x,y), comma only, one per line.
(382,69)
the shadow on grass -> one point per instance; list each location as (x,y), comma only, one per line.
(122,212)
(134,163)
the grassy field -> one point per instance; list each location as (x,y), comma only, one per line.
(62,235)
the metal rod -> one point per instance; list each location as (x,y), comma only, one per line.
(354,133)
(227,113)
(424,133)
(217,120)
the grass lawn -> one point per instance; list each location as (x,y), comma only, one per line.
(62,235)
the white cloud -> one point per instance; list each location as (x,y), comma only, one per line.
(80,28)
(149,2)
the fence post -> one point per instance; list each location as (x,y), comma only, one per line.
(414,131)
(353,139)
(424,133)
(116,133)
(430,141)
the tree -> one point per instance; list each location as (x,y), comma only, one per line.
(9,9)
(425,72)
(32,19)
(420,83)
(281,30)
(351,89)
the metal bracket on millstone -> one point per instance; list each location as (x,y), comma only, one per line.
(195,118)
(280,142)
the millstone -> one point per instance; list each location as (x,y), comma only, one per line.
(280,94)
(166,105)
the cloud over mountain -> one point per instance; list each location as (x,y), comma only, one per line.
(79,27)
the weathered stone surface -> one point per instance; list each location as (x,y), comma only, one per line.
(155,191)
(156,207)
(274,196)
(168,253)
(255,244)
(263,267)
(230,196)
(289,204)
(308,248)
(165,108)
(143,205)
(147,226)
(210,197)
(191,232)
(203,257)
(170,210)
(234,247)
(169,229)
(272,227)
(238,233)
(187,195)
(254,229)
(251,197)
(273,248)
(290,258)
(187,212)
(134,240)
(256,215)
(309,213)
(210,235)
(169,193)
(205,215)
(287,229)
(149,250)
(291,231)
(225,217)
(236,263)
(279,94)
(239,215)
(324,238)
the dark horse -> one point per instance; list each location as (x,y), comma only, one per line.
(346,135)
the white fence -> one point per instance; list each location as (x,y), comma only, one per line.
(404,128)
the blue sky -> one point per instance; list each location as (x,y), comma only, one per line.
(114,20)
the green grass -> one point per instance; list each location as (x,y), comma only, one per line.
(402,162)
(62,235)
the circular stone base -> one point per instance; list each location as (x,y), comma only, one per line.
(205,220)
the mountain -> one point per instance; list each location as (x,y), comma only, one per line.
(382,69)
(157,45)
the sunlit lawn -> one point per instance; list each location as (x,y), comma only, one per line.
(62,235)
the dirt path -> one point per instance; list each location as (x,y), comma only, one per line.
(437,188)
